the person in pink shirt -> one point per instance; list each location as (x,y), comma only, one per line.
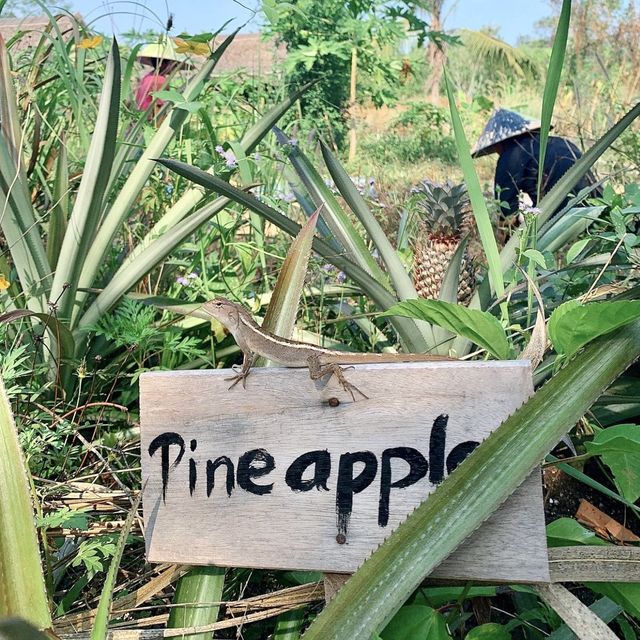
(163,59)
(155,80)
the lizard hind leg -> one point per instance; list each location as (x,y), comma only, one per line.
(318,370)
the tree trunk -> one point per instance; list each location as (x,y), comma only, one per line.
(435,55)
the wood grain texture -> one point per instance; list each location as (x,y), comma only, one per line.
(594,564)
(287,414)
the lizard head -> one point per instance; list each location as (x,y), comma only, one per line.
(225,311)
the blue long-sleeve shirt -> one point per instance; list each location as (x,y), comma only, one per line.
(517,169)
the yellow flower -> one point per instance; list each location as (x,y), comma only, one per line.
(90,43)
(4,283)
(190,46)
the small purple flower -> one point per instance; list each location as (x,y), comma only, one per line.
(341,277)
(183,281)
(293,142)
(257,157)
(192,275)
(328,268)
(228,156)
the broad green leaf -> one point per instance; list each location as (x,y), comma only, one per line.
(100,628)
(573,324)
(479,326)
(565,532)
(478,204)
(576,249)
(370,598)
(627,595)
(554,73)
(490,631)
(536,256)
(22,590)
(416,621)
(619,448)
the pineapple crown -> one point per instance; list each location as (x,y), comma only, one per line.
(444,206)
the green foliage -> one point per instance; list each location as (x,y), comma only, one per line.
(567,531)
(574,324)
(320,36)
(421,132)
(490,631)
(619,448)
(478,326)
(416,621)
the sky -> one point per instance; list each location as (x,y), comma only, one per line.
(513,17)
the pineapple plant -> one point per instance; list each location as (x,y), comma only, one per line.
(445,219)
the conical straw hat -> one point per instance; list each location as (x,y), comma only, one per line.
(502,125)
(165,50)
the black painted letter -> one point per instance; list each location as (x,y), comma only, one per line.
(348,486)
(459,453)
(163,442)
(321,459)
(437,443)
(246,471)
(418,467)
(211,474)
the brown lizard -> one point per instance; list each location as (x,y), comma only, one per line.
(255,341)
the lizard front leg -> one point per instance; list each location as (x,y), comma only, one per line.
(247,363)
(318,370)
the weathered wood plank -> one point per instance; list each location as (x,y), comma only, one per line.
(432,408)
(594,564)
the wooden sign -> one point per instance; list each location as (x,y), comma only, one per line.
(293,474)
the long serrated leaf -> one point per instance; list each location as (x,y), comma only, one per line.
(60,210)
(84,218)
(22,235)
(285,300)
(131,272)
(22,590)
(478,487)
(554,73)
(337,220)
(9,121)
(100,628)
(397,272)
(409,332)
(193,196)
(478,204)
(130,191)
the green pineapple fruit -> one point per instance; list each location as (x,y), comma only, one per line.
(445,219)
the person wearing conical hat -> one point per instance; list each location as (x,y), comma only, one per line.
(516,140)
(164,59)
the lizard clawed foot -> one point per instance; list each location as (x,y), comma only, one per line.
(318,370)
(238,378)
